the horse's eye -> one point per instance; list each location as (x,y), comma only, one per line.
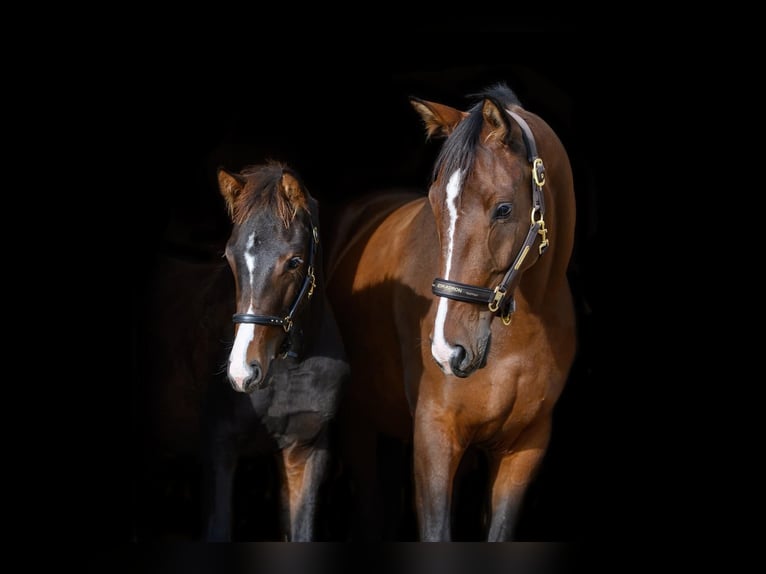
(294,263)
(503,211)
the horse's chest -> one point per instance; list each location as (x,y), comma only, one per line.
(296,402)
(498,403)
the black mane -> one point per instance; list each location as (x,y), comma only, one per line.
(459,149)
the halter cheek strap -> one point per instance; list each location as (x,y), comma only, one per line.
(307,290)
(499,299)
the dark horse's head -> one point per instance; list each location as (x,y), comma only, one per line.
(488,216)
(271,253)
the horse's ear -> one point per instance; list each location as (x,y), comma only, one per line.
(495,122)
(294,192)
(230,185)
(440,120)
(498,125)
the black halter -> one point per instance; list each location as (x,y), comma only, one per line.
(498,299)
(307,290)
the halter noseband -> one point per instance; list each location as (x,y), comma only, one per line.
(307,290)
(498,299)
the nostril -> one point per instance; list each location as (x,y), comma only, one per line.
(458,356)
(460,362)
(255,378)
(255,366)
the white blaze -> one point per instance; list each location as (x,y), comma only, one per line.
(239,369)
(440,349)
(250,260)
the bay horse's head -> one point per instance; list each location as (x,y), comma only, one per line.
(487,199)
(271,252)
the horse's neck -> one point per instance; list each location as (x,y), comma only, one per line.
(542,285)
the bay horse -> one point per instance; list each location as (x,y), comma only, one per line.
(287,356)
(456,309)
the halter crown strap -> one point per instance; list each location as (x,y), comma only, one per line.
(498,299)
(538,169)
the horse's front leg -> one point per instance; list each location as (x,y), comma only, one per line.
(218,472)
(305,468)
(510,476)
(437,455)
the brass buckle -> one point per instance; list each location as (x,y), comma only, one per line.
(538,171)
(313,281)
(494,305)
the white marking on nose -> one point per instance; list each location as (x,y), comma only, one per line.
(440,348)
(239,369)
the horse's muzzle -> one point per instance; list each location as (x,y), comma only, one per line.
(255,380)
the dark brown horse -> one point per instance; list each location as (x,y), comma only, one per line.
(246,358)
(287,353)
(456,310)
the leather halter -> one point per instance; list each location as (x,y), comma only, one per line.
(499,300)
(307,290)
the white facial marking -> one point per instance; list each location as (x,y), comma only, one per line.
(440,349)
(250,259)
(239,369)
